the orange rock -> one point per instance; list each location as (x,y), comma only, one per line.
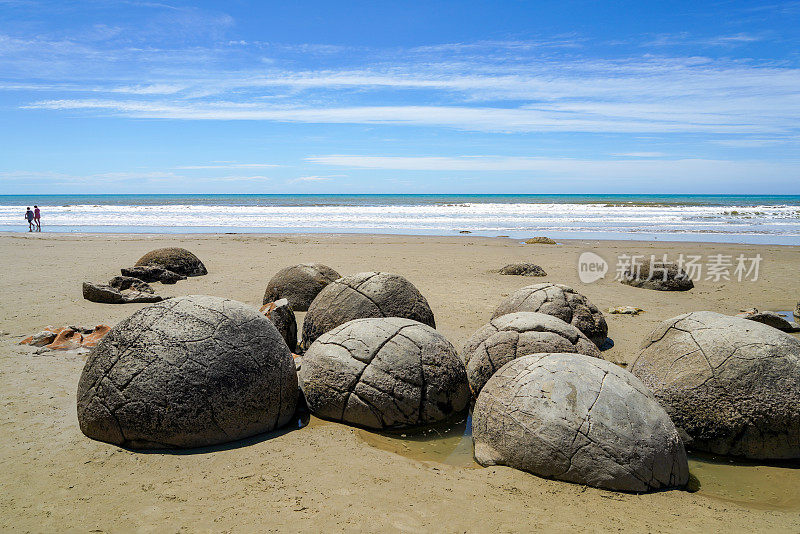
(91,340)
(67,339)
(45,337)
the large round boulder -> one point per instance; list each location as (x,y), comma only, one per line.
(513,335)
(299,284)
(384,373)
(664,276)
(175,259)
(187,372)
(363,295)
(578,419)
(559,301)
(731,384)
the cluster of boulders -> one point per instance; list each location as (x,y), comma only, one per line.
(196,371)
(165,265)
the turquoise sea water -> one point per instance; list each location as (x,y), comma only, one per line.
(723,218)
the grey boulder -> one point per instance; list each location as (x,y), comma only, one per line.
(559,301)
(513,335)
(110,295)
(731,384)
(282,316)
(187,372)
(772,319)
(659,276)
(364,295)
(175,259)
(384,373)
(127,282)
(523,269)
(578,419)
(299,284)
(152,273)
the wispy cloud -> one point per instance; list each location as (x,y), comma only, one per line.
(228,165)
(318,178)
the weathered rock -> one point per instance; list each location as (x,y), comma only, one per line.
(152,273)
(282,316)
(578,419)
(364,295)
(300,284)
(67,337)
(523,269)
(384,373)
(110,295)
(188,372)
(559,301)
(731,384)
(510,336)
(174,259)
(770,318)
(626,310)
(540,241)
(127,282)
(797,311)
(659,276)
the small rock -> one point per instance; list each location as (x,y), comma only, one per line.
(540,241)
(152,273)
(66,338)
(45,337)
(282,316)
(127,282)
(797,311)
(523,269)
(464,232)
(770,318)
(626,310)
(110,295)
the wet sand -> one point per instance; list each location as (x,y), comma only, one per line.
(325,475)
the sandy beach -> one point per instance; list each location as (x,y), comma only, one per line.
(326,475)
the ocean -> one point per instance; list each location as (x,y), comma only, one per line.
(767,219)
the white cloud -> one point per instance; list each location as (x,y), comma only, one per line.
(318,178)
(228,165)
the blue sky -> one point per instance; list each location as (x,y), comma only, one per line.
(400,97)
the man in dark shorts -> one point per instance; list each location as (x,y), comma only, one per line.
(37,218)
(29,218)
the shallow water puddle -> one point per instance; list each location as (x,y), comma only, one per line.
(747,484)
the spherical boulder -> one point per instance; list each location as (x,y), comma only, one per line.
(559,301)
(187,372)
(517,334)
(731,384)
(384,373)
(663,276)
(364,295)
(175,259)
(299,284)
(578,419)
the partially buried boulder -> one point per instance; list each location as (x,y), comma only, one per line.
(770,318)
(299,284)
(364,295)
(152,273)
(523,269)
(282,316)
(578,419)
(384,373)
(175,259)
(188,372)
(559,301)
(111,295)
(510,336)
(663,276)
(731,384)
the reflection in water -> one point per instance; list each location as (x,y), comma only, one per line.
(749,484)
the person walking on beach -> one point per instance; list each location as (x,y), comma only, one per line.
(29,218)
(37,217)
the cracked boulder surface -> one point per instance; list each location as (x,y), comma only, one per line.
(579,419)
(513,335)
(299,284)
(282,316)
(363,295)
(188,372)
(175,259)
(731,384)
(659,277)
(384,373)
(559,301)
